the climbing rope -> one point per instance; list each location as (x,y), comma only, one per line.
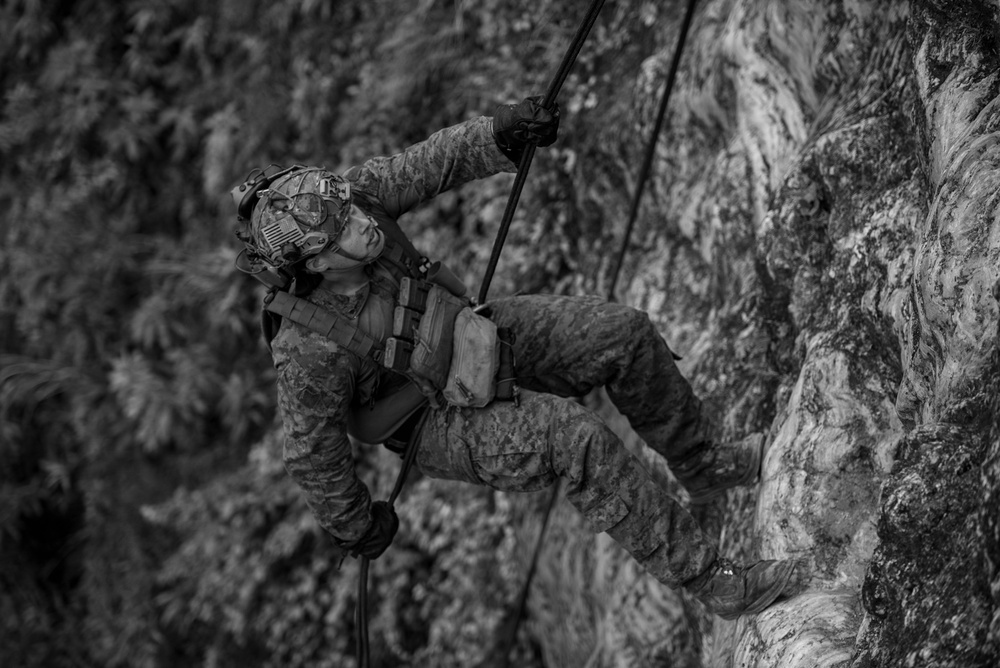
(510,628)
(529,151)
(507,631)
(361,609)
(651,147)
(513,621)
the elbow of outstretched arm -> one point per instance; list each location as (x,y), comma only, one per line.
(337,497)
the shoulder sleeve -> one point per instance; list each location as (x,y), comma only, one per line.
(447,159)
(314,397)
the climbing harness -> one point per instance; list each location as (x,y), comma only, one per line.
(651,146)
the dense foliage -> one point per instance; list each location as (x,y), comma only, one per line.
(144,515)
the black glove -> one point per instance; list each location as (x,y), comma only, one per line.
(517,125)
(379,535)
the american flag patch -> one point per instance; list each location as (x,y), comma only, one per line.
(281,232)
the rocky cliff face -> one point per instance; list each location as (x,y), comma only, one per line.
(821,244)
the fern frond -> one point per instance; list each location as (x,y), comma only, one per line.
(27,382)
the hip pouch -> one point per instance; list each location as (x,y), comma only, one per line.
(475,361)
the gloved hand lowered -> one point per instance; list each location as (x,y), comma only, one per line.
(379,535)
(528,122)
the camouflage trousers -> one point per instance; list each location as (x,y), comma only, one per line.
(565,347)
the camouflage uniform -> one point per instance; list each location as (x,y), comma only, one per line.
(565,346)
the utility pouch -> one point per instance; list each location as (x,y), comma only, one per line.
(404,322)
(434,338)
(397,354)
(475,361)
(413,293)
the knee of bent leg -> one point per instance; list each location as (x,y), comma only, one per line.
(602,477)
(585,451)
(633,322)
(634,336)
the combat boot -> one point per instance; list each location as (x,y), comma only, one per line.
(709,471)
(730,590)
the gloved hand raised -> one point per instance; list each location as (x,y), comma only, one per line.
(379,535)
(517,125)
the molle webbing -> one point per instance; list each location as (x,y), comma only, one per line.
(318,319)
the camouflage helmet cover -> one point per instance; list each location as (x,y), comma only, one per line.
(299,215)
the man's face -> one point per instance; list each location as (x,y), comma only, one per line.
(360,237)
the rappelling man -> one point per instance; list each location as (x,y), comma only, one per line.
(371,339)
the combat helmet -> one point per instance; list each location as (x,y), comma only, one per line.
(288,215)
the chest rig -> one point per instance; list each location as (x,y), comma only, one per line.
(451,354)
(345,331)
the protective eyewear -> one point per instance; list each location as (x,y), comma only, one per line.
(311,210)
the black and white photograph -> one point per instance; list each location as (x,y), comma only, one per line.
(500,334)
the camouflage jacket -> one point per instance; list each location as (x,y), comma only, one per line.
(320,383)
